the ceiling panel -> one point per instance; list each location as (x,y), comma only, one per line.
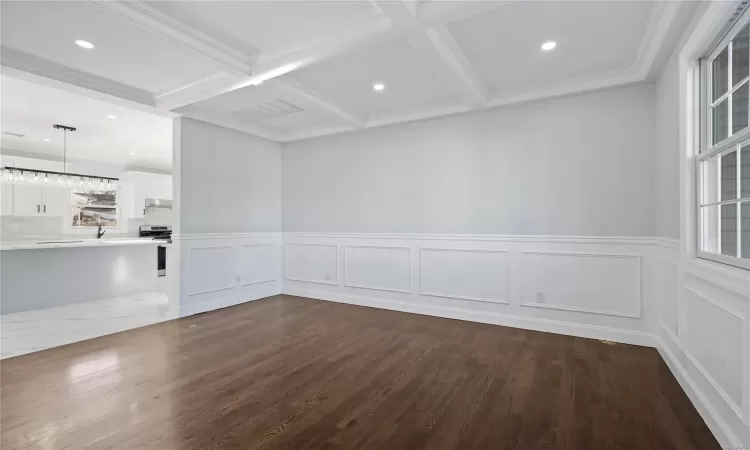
(133,138)
(303,120)
(348,80)
(124,52)
(272,27)
(593,37)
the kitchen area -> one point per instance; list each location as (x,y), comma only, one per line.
(85,217)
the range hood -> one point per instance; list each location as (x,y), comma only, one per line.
(158,203)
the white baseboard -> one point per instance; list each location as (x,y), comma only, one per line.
(196,307)
(528,323)
(718,427)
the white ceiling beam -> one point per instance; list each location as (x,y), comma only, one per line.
(187,94)
(412,6)
(439,50)
(14,60)
(268,68)
(150,18)
(294,87)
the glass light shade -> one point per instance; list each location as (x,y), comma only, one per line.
(64,181)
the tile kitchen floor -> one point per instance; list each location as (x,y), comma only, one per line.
(40,329)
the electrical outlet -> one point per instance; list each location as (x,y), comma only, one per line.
(541,297)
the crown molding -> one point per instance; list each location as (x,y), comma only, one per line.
(656,33)
(164,25)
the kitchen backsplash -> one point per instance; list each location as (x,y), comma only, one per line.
(21,228)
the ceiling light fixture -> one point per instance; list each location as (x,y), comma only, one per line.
(85,44)
(549,45)
(77,181)
(132,153)
(378,87)
(112,116)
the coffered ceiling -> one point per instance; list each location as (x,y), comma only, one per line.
(287,70)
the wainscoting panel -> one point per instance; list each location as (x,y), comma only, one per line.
(382,268)
(477,275)
(211,269)
(666,295)
(254,263)
(312,263)
(714,344)
(593,283)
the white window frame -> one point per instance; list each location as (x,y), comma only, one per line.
(734,142)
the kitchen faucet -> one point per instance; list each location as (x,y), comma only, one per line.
(100,232)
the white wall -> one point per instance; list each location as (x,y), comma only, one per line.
(703,326)
(537,215)
(227,206)
(667,152)
(581,165)
(230,181)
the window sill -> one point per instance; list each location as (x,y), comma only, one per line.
(730,277)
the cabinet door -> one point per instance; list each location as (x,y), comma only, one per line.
(55,201)
(27,200)
(133,194)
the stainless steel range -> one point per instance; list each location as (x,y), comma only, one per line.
(158,232)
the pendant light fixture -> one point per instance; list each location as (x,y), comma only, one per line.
(65,180)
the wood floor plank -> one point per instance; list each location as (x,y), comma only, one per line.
(293,373)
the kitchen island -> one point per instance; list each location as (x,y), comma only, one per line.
(46,273)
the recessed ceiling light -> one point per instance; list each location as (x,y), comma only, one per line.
(378,87)
(112,116)
(549,45)
(46,140)
(132,153)
(84,44)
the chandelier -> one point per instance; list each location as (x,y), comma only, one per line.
(65,180)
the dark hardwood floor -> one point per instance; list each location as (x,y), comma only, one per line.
(293,373)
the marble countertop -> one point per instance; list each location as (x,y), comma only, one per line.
(69,242)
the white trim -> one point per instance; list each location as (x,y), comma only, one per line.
(193,292)
(688,354)
(639,281)
(202,236)
(255,281)
(286,263)
(478,238)
(505,301)
(376,288)
(653,39)
(716,424)
(527,323)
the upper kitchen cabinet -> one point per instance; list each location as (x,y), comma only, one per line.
(21,200)
(137,187)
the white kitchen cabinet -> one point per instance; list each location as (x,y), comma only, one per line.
(55,202)
(38,201)
(159,186)
(27,200)
(136,187)
(132,197)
